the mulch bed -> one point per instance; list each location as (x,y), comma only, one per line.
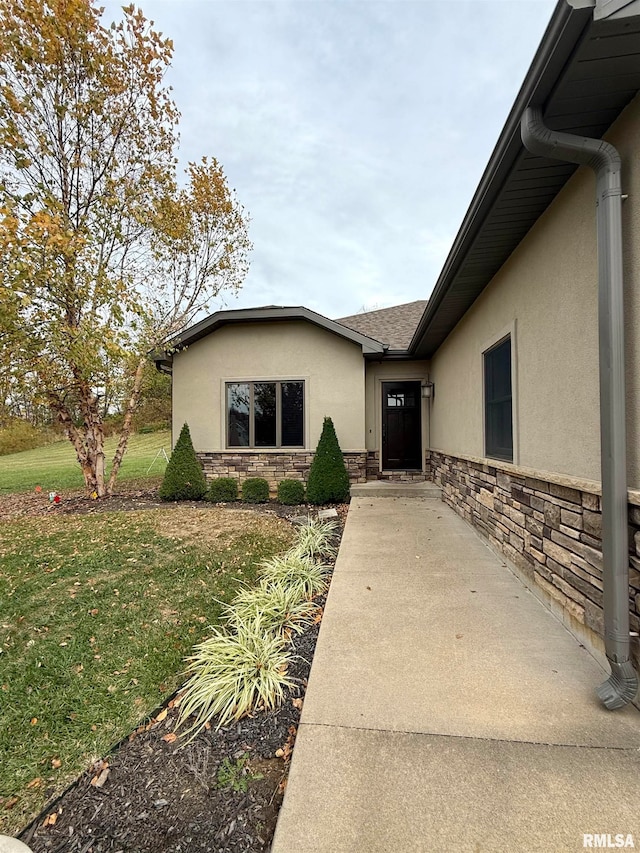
(131,496)
(220,793)
(159,796)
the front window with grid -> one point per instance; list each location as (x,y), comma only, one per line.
(265,414)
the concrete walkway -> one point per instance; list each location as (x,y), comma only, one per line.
(447,709)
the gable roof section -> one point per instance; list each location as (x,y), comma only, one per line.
(268,313)
(583,75)
(393,326)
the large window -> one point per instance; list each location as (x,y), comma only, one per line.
(265,414)
(498,412)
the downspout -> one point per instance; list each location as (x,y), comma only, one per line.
(622,685)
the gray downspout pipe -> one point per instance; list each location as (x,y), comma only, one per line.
(622,685)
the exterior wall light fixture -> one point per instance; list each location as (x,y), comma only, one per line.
(428,389)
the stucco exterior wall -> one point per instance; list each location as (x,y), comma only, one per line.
(546,297)
(332,367)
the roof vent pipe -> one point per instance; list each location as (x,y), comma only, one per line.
(621,687)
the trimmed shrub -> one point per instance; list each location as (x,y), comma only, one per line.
(290,492)
(328,476)
(223,489)
(255,490)
(183,478)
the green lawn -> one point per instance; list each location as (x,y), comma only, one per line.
(98,613)
(55,467)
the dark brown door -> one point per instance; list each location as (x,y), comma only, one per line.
(401,426)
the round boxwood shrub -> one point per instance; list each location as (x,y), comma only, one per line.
(223,489)
(255,490)
(290,492)
(328,476)
(183,478)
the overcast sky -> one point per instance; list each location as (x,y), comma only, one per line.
(354,131)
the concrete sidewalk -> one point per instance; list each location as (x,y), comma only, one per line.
(447,709)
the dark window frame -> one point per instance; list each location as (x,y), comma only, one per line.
(496,445)
(278,387)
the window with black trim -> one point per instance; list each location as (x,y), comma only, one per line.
(265,414)
(498,405)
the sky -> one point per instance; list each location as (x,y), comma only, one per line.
(354,132)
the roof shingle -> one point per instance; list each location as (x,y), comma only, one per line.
(392,326)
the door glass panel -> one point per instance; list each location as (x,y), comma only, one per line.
(238,414)
(264,406)
(401,399)
(292,414)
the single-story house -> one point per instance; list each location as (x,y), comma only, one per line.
(254,386)
(492,387)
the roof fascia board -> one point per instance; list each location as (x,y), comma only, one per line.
(564,32)
(397,355)
(253,315)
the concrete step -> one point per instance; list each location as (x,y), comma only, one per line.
(390,489)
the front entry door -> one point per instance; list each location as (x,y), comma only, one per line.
(401,426)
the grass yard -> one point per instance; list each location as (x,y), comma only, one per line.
(98,612)
(55,466)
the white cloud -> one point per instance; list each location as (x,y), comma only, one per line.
(354,131)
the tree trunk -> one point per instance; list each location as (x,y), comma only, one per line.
(73,434)
(125,432)
(89,445)
(94,440)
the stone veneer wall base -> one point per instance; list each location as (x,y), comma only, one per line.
(274,466)
(374,472)
(549,534)
(362,466)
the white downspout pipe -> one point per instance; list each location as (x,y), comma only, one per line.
(622,685)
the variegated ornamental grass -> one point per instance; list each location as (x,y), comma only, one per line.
(244,668)
(301,573)
(277,606)
(233,674)
(317,539)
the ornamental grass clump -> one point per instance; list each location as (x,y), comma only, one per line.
(244,668)
(234,674)
(316,539)
(302,574)
(277,605)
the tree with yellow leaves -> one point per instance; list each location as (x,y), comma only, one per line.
(103,255)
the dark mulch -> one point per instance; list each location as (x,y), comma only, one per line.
(132,495)
(160,797)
